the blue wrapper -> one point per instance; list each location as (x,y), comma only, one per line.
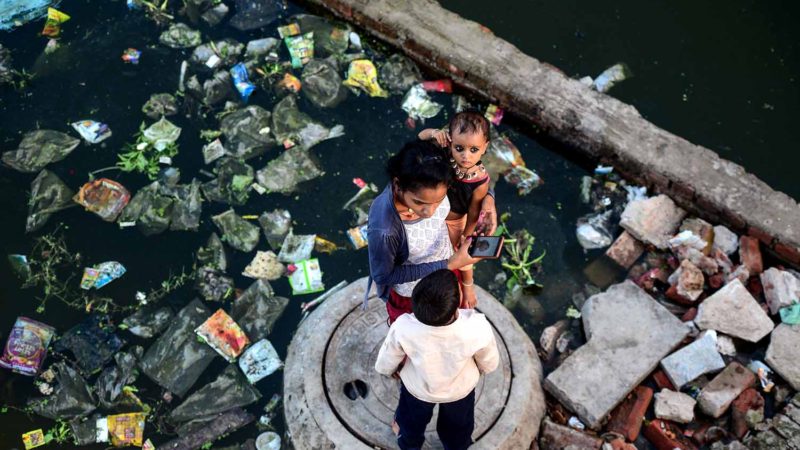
(242,81)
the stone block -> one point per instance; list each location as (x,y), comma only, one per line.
(725,240)
(750,254)
(550,335)
(558,437)
(674,406)
(625,250)
(653,220)
(788,429)
(666,435)
(626,419)
(733,311)
(628,334)
(783,353)
(781,288)
(698,358)
(717,396)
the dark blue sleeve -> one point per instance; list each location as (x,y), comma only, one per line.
(383,248)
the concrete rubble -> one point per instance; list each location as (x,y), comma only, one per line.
(653,220)
(717,396)
(783,353)
(733,310)
(674,406)
(725,240)
(628,334)
(698,358)
(781,289)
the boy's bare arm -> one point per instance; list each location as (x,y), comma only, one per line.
(488,358)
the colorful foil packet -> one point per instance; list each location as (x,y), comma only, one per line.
(363,74)
(301,48)
(224,335)
(307,277)
(52,26)
(126,429)
(242,81)
(33,439)
(26,347)
(358,236)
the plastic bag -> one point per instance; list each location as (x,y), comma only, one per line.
(38,149)
(358,236)
(268,441)
(322,85)
(265,265)
(93,132)
(159,105)
(259,361)
(398,74)
(254,14)
(126,429)
(213,151)
(292,126)
(187,206)
(276,225)
(296,247)
(112,380)
(257,310)
(101,274)
(242,81)
(52,26)
(362,74)
(26,347)
(501,157)
(149,321)
(210,279)
(71,397)
(225,52)
(213,254)
(232,185)
(161,134)
(211,430)
(259,48)
(247,132)
(330,38)
(790,315)
(284,173)
(611,76)
(301,48)
(229,390)
(48,195)
(177,359)
(104,197)
(179,35)
(222,334)
(523,178)
(307,278)
(237,232)
(593,231)
(418,104)
(92,342)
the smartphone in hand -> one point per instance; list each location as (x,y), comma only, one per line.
(488,247)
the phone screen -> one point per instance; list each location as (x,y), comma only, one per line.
(486,247)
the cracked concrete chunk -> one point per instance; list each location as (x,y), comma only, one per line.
(698,358)
(653,220)
(783,354)
(781,288)
(717,396)
(628,333)
(725,240)
(674,406)
(555,436)
(625,250)
(733,311)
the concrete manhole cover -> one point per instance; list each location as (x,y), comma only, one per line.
(334,397)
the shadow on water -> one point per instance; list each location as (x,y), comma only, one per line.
(87,79)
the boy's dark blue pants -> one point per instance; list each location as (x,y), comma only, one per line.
(455,424)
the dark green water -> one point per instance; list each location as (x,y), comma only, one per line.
(90,81)
(720,74)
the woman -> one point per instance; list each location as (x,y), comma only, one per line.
(407,234)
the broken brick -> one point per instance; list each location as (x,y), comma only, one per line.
(750,254)
(665,435)
(626,418)
(625,250)
(748,403)
(662,380)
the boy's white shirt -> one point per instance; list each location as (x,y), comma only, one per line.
(444,363)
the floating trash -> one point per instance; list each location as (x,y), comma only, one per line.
(419,105)
(93,132)
(33,439)
(52,26)
(259,361)
(179,35)
(222,334)
(126,429)
(48,195)
(307,278)
(363,75)
(265,265)
(301,48)
(101,274)
(131,56)
(26,347)
(242,81)
(358,236)
(38,149)
(104,197)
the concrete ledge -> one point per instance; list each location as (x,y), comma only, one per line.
(596,125)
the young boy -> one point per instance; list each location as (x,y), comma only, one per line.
(443,350)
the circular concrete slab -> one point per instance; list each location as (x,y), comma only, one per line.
(335,399)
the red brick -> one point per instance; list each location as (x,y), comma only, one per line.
(748,400)
(672,294)
(755,287)
(666,435)
(789,253)
(682,193)
(626,418)
(750,254)
(662,381)
(659,183)
(761,235)
(689,315)
(625,250)
(734,221)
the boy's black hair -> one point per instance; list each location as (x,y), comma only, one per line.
(419,164)
(470,121)
(435,298)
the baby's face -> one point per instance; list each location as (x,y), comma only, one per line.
(467,148)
